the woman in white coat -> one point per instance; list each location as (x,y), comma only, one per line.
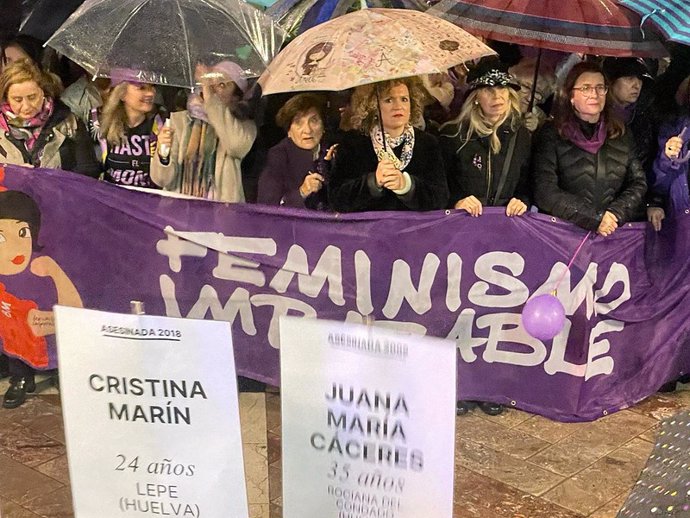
(199,153)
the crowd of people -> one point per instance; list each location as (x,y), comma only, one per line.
(597,141)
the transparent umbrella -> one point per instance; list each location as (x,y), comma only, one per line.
(163,40)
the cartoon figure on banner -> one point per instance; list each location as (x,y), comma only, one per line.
(314,58)
(23,327)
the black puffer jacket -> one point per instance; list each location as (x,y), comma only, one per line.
(470,167)
(578,186)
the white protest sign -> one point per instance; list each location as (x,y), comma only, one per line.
(368,421)
(151,416)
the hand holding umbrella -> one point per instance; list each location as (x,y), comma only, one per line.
(674,146)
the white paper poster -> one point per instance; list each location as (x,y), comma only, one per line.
(151,416)
(368,421)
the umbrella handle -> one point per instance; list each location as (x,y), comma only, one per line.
(165,149)
(530,107)
(378,107)
(685,158)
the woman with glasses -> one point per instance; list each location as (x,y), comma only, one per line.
(585,166)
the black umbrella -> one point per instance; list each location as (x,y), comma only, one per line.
(45,17)
(11,17)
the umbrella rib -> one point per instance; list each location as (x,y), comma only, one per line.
(186,42)
(242,29)
(124,25)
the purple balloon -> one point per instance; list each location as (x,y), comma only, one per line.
(543,317)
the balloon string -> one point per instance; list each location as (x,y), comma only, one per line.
(571,262)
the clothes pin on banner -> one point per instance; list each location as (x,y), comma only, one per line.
(137,307)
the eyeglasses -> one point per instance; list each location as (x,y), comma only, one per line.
(588,90)
(526,89)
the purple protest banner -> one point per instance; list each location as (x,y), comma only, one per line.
(441,273)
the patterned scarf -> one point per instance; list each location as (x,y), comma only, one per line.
(197,168)
(195,107)
(406,139)
(25,130)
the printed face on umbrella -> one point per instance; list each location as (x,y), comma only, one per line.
(306,129)
(139,97)
(588,96)
(25,99)
(315,56)
(395,109)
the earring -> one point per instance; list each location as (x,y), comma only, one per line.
(476,103)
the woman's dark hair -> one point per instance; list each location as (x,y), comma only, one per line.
(29,45)
(300,103)
(19,206)
(564,113)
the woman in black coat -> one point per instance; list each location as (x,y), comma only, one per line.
(487,148)
(405,173)
(585,165)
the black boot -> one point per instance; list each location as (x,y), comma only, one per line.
(667,387)
(16,394)
(490,408)
(463,407)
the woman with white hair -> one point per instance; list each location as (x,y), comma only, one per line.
(206,143)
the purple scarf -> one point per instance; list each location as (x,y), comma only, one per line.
(625,113)
(573,132)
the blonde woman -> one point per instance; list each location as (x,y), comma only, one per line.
(487,148)
(36,129)
(405,173)
(129,127)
